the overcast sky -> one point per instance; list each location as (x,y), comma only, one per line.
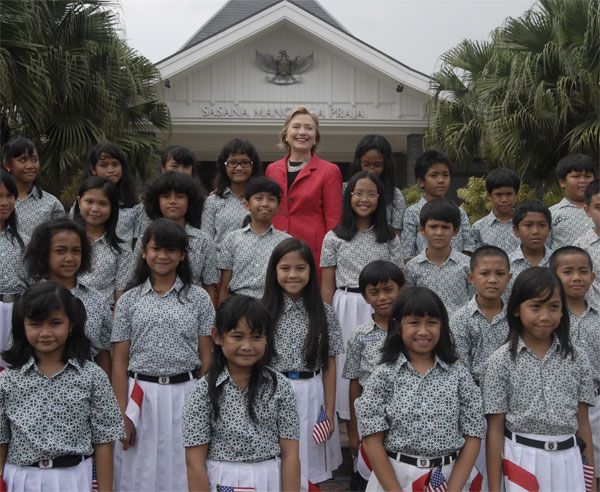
(415,32)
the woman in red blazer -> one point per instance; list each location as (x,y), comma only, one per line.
(311,203)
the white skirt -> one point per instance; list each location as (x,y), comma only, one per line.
(594,417)
(352,311)
(316,461)
(554,470)
(157,459)
(406,475)
(32,479)
(262,475)
(5,328)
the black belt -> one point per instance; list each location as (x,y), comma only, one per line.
(178,378)
(534,443)
(423,462)
(9,297)
(354,290)
(301,374)
(62,461)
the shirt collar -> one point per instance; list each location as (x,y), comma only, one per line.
(192,231)
(147,286)
(289,303)
(34,193)
(402,360)
(517,254)
(422,257)
(224,376)
(369,327)
(249,228)
(421,201)
(473,307)
(564,203)
(30,364)
(554,346)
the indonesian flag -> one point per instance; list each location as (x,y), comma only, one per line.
(420,484)
(476,483)
(134,405)
(520,477)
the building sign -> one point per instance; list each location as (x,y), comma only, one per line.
(335,112)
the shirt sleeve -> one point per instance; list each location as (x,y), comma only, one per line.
(371,405)
(206,314)
(121,330)
(124,267)
(496,384)
(410,273)
(396,251)
(210,274)
(336,341)
(586,384)
(476,233)
(398,209)
(4,422)
(225,255)
(353,352)
(106,327)
(208,216)
(197,413)
(471,420)
(57,209)
(462,342)
(329,250)
(409,232)
(468,241)
(288,422)
(106,420)
(140,220)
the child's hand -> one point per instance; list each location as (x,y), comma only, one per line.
(129,434)
(331,418)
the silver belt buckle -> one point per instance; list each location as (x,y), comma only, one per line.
(45,464)
(423,463)
(550,446)
(164,380)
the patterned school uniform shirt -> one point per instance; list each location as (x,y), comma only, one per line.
(422,415)
(221,215)
(291,332)
(233,435)
(414,242)
(163,331)
(518,263)
(13,275)
(247,255)
(128,223)
(363,352)
(590,241)
(110,268)
(537,396)
(476,338)
(98,325)
(489,230)
(43,418)
(350,257)
(585,332)
(35,210)
(449,281)
(568,223)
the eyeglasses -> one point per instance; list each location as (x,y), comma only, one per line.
(371,195)
(233,164)
(372,165)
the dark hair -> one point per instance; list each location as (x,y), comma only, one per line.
(575,163)
(262,185)
(126,185)
(592,189)
(235,146)
(172,181)
(428,159)
(568,250)
(166,234)
(11,221)
(382,146)
(316,345)
(36,303)
(346,229)
(379,271)
(179,153)
(262,379)
(38,251)
(485,251)
(533,206)
(442,210)
(533,283)
(418,301)
(502,177)
(111,192)
(17,147)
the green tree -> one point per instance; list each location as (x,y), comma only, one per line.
(68,81)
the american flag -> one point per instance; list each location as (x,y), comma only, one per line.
(322,428)
(227,488)
(94,478)
(437,481)
(588,474)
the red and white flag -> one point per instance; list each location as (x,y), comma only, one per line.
(134,405)
(322,428)
(520,477)
(588,474)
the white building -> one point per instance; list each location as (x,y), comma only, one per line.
(216,89)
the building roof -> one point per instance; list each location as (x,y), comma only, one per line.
(235,11)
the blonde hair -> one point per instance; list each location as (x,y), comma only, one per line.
(283,145)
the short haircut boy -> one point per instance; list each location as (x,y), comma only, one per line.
(179,153)
(534,206)
(592,189)
(439,209)
(487,250)
(568,250)
(428,159)
(262,185)
(377,272)
(575,163)
(501,178)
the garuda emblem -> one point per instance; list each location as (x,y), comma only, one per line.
(285,70)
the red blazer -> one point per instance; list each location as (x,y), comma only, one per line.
(313,204)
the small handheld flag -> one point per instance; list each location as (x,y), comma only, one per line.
(437,481)
(588,474)
(322,428)
(134,405)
